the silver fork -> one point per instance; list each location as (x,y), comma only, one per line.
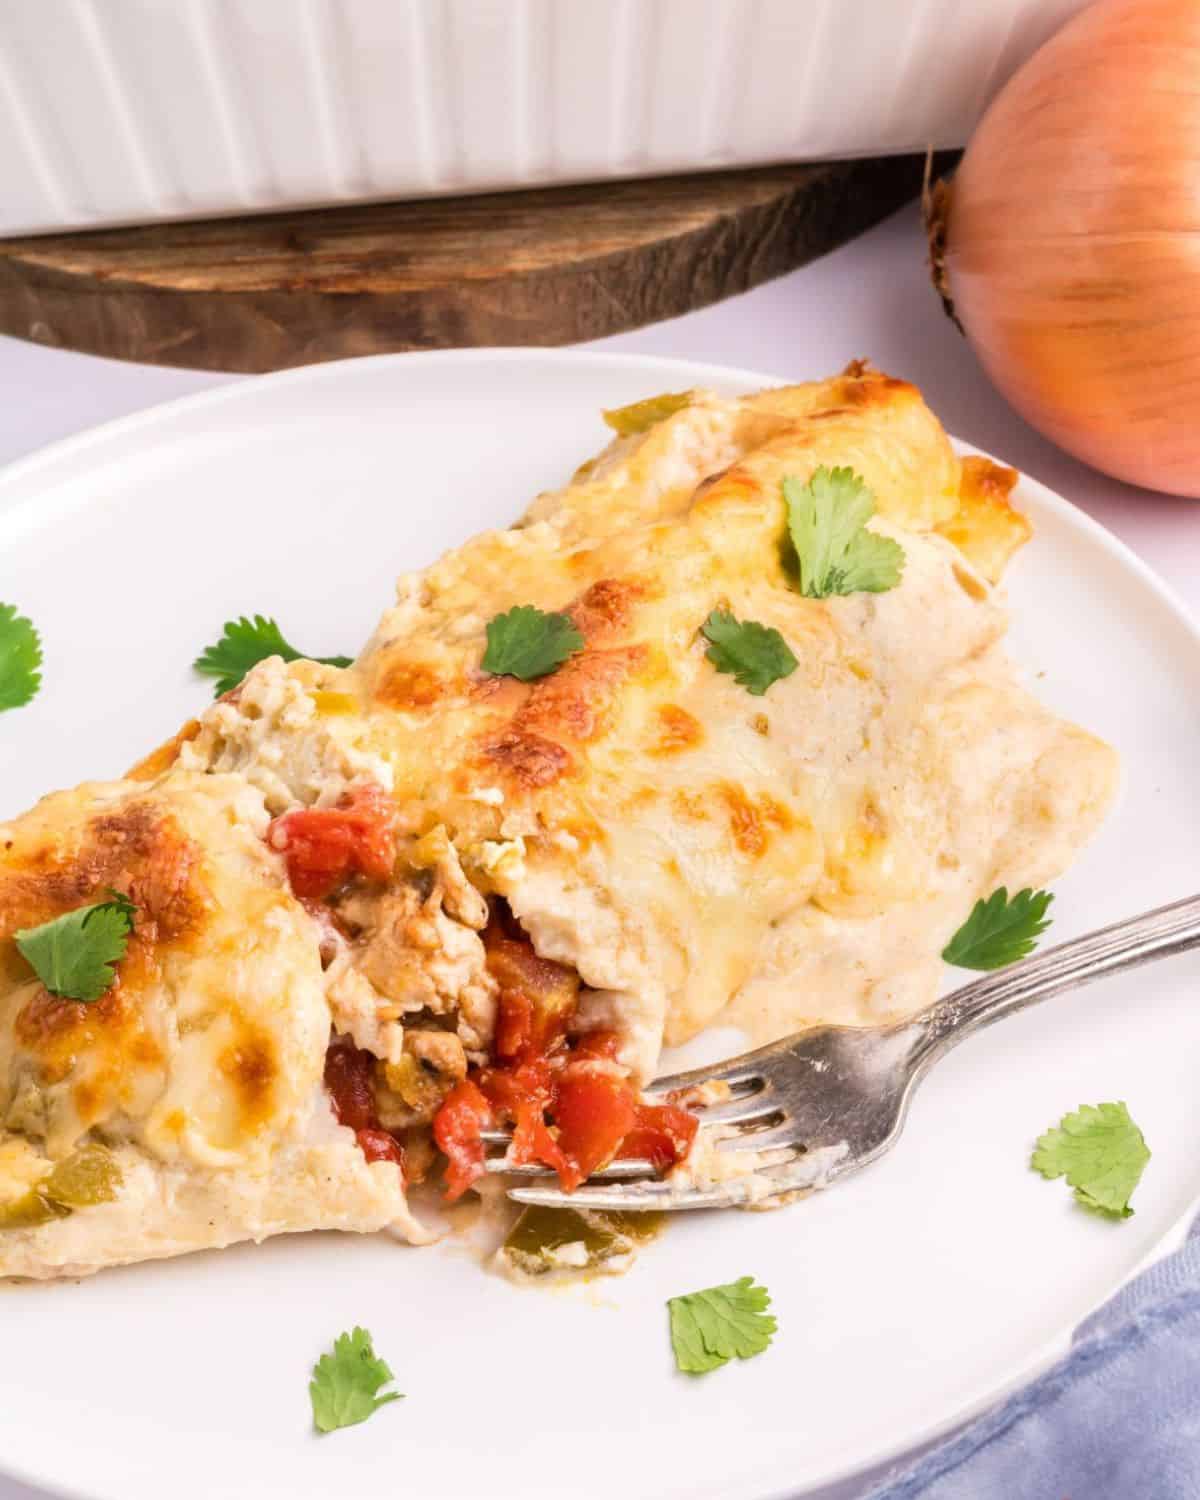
(828,1101)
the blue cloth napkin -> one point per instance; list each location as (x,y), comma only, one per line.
(1117,1419)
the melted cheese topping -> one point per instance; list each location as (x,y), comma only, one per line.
(698,853)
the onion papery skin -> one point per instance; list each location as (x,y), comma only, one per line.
(1070,241)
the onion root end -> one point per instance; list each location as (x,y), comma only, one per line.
(935,208)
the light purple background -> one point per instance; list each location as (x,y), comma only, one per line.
(871,299)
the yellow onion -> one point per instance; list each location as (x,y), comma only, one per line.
(1068,243)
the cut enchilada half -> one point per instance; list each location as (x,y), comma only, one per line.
(382,907)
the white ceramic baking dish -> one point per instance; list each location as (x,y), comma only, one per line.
(114,111)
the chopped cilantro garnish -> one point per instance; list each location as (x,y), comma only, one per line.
(345,1384)
(73,954)
(827,520)
(243,645)
(526,642)
(756,655)
(999,931)
(711,1327)
(20,659)
(1101,1153)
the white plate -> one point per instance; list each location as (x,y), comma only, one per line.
(907,1298)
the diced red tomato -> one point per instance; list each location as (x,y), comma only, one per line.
(594,1113)
(524,1093)
(349,1079)
(508,1088)
(570,1104)
(349,1072)
(538,994)
(534,1141)
(597,1045)
(378,1145)
(514,1024)
(663,1134)
(458,1130)
(323,846)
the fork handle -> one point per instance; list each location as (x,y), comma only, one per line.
(1124,945)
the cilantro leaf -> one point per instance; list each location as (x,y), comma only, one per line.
(640,416)
(1101,1153)
(711,1327)
(827,519)
(20,659)
(526,642)
(999,931)
(345,1385)
(757,655)
(73,954)
(243,645)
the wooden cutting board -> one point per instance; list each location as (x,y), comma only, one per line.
(549,266)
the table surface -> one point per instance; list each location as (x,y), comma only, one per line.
(870,299)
